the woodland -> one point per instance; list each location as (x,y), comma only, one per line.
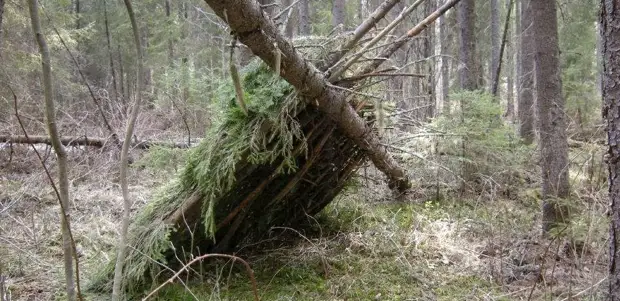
(309,150)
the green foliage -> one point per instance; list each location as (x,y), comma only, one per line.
(490,145)
(266,134)
(578,58)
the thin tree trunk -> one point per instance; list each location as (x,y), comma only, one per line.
(445,61)
(338,12)
(246,18)
(552,120)
(500,59)
(510,105)
(609,25)
(1,31)
(495,44)
(122,247)
(429,51)
(304,18)
(170,43)
(526,76)
(61,155)
(109,45)
(77,15)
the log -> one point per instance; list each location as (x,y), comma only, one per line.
(260,34)
(85,141)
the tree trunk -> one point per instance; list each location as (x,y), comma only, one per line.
(110,56)
(259,33)
(122,243)
(61,155)
(170,43)
(510,63)
(445,61)
(552,120)
(429,52)
(525,96)
(339,13)
(304,18)
(467,22)
(495,43)
(610,47)
(1,31)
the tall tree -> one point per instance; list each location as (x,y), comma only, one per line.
(339,12)
(495,42)
(304,18)
(609,25)
(1,14)
(525,76)
(444,61)
(59,149)
(551,120)
(469,71)
(124,166)
(510,70)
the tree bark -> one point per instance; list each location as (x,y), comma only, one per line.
(469,69)
(552,120)
(525,96)
(1,31)
(609,25)
(444,61)
(61,154)
(122,244)
(338,13)
(304,18)
(510,63)
(259,33)
(110,56)
(495,44)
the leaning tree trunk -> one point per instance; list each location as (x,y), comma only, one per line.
(552,120)
(610,47)
(259,33)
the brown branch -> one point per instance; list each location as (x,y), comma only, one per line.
(406,37)
(85,141)
(377,74)
(359,32)
(200,258)
(248,22)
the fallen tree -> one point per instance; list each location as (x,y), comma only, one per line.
(283,160)
(86,141)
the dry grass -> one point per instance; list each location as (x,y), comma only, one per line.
(365,246)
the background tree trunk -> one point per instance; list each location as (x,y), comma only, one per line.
(551,120)
(61,154)
(467,50)
(526,75)
(610,47)
(445,62)
(495,42)
(122,247)
(339,12)
(304,18)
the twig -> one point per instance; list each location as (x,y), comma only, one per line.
(200,258)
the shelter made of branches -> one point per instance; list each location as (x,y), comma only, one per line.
(285,160)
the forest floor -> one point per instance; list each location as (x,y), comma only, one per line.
(366,245)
